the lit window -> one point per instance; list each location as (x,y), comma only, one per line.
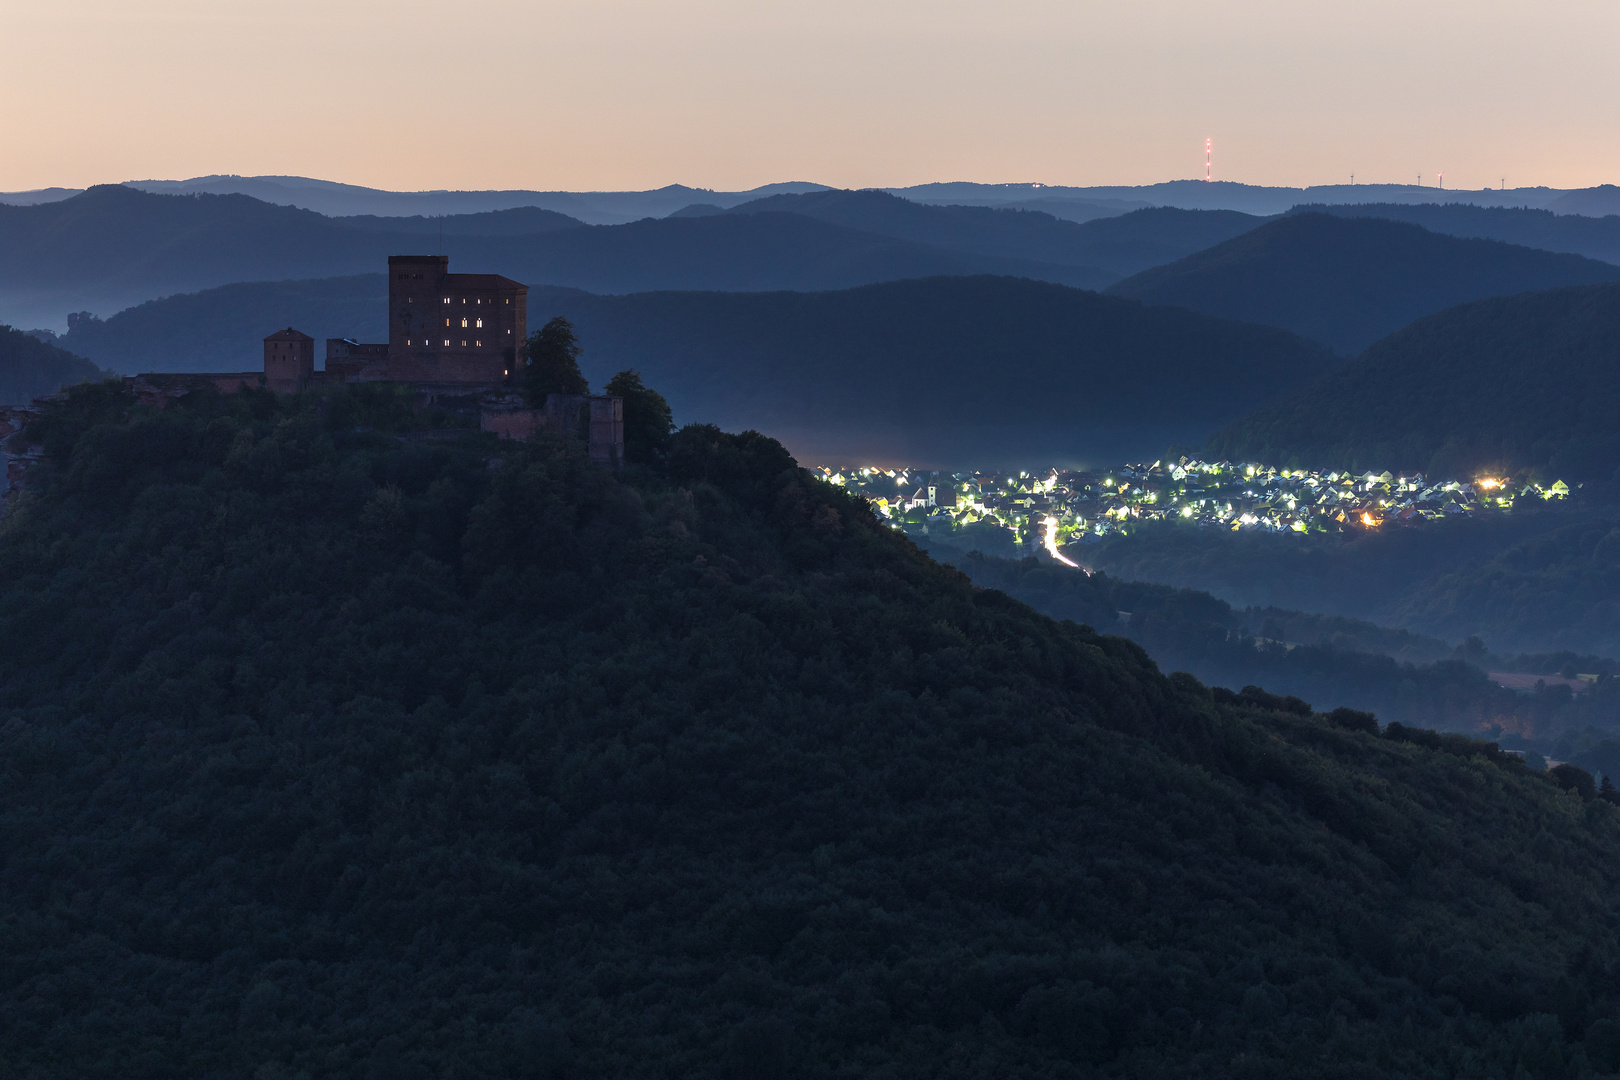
(410,299)
(447,299)
(479,344)
(480,324)
(447,343)
(463,343)
(447,322)
(464,324)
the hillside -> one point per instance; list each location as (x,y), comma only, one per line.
(114,247)
(1521,382)
(404,756)
(223,329)
(1118,245)
(940,368)
(1400,676)
(518,221)
(1346,282)
(1593,237)
(30,368)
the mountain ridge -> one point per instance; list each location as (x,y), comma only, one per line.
(1346,282)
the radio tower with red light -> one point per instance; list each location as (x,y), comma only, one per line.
(1209,148)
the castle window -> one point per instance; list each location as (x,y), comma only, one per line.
(447,322)
(480,324)
(447,299)
(447,343)
(463,343)
(464,324)
(479,344)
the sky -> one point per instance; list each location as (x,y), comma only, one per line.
(731,94)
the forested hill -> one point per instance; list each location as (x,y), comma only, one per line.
(113,247)
(1593,237)
(1120,245)
(1347,282)
(1521,382)
(335,746)
(953,371)
(966,369)
(30,368)
(223,329)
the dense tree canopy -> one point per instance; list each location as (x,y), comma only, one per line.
(334,746)
(551,362)
(648,421)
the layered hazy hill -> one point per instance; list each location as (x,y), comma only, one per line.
(1528,381)
(335,749)
(30,368)
(1594,237)
(958,370)
(1347,282)
(223,329)
(943,370)
(113,247)
(1120,245)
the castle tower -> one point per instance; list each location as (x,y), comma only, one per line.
(453,328)
(289,361)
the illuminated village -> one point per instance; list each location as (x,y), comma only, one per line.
(1068,507)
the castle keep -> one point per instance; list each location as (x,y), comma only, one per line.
(456,338)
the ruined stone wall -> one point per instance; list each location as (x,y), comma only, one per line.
(598,420)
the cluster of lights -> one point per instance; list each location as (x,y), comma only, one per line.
(1063,506)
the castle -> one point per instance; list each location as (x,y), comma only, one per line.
(457,339)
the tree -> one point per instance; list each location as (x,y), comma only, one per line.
(551,362)
(648,420)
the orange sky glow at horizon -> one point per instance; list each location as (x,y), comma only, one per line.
(636,94)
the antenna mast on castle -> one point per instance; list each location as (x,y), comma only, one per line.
(1209,148)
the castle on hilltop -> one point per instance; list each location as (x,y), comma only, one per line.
(457,339)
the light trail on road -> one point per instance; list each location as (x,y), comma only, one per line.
(1051,545)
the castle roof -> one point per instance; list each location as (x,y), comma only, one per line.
(481,281)
(288,334)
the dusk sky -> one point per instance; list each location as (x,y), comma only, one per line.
(622,94)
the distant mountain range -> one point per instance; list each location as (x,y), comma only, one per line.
(1348,281)
(944,371)
(951,370)
(222,329)
(1500,384)
(114,247)
(1074,203)
(1119,244)
(1594,237)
